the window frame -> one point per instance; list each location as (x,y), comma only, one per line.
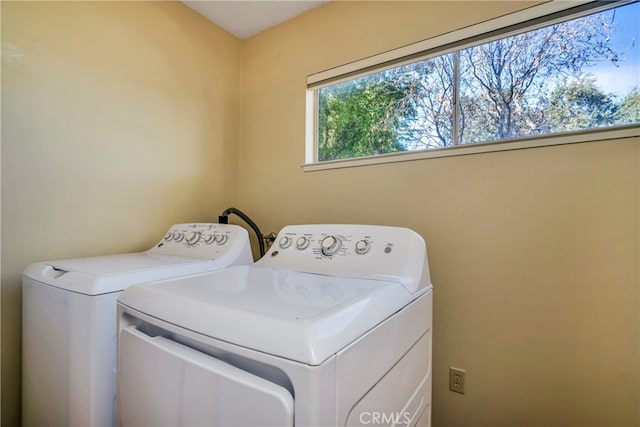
(529,19)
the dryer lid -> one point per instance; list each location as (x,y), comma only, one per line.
(114,273)
(299,316)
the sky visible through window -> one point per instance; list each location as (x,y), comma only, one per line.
(625,77)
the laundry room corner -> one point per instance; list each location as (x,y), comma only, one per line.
(118,120)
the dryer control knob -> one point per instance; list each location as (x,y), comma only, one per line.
(209,239)
(330,245)
(168,236)
(362,247)
(302,243)
(193,237)
(178,236)
(285,242)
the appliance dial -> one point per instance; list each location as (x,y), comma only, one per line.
(178,236)
(285,242)
(193,237)
(209,239)
(330,245)
(221,239)
(168,237)
(362,247)
(302,243)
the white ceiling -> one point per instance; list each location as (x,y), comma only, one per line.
(245,18)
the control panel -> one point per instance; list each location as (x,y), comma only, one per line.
(203,240)
(366,251)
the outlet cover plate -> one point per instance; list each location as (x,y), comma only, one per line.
(457,379)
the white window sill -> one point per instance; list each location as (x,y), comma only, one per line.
(628,131)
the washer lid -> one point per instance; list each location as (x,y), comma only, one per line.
(112,265)
(299,316)
(113,273)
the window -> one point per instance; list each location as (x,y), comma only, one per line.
(574,71)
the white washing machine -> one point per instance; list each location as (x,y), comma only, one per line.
(332,327)
(69,319)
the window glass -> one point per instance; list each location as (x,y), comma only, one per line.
(575,75)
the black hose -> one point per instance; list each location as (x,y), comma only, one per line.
(223,220)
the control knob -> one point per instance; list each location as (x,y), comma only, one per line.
(178,236)
(193,237)
(330,245)
(221,238)
(302,243)
(362,247)
(284,242)
(209,239)
(168,236)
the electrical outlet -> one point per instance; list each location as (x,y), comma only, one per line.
(456,379)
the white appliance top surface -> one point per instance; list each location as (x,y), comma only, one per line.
(185,249)
(394,254)
(123,263)
(114,273)
(299,316)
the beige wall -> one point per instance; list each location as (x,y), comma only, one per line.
(118,119)
(534,253)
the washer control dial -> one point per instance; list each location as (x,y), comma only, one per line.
(362,247)
(221,239)
(178,236)
(285,242)
(193,237)
(302,243)
(330,245)
(168,236)
(209,239)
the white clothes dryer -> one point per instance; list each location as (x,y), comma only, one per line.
(332,327)
(69,319)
